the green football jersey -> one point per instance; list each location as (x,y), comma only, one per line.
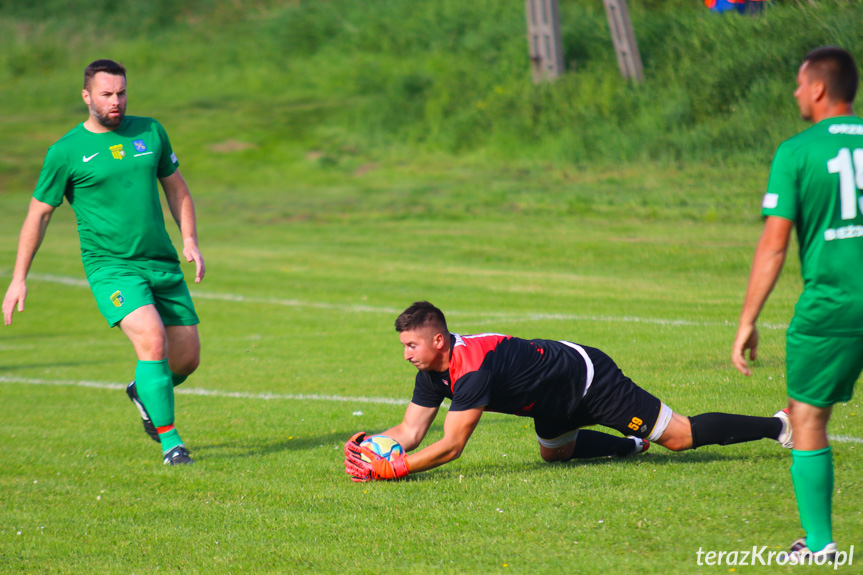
(111,181)
(816,181)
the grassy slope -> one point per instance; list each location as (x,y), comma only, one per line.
(440,76)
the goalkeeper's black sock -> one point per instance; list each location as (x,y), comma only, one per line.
(590,443)
(729,428)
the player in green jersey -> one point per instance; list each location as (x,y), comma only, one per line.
(108,168)
(814,187)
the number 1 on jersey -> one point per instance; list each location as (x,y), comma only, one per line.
(850,180)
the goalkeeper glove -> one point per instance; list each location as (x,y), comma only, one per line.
(377,467)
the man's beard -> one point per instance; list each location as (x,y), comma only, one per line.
(108,122)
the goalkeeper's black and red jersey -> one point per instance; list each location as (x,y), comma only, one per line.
(535,378)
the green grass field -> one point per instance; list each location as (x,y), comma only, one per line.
(299,351)
(334,188)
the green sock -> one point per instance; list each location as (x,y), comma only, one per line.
(812,472)
(169,438)
(178,379)
(154,383)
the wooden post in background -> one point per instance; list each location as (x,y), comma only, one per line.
(543,34)
(628,56)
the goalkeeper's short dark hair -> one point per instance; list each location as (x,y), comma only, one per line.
(419,315)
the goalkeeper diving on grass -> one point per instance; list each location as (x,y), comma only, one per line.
(563,386)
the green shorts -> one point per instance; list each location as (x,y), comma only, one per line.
(120,290)
(822,370)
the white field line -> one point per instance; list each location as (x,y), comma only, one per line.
(845,439)
(486,317)
(211,392)
(269,396)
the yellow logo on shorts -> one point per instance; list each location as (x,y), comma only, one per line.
(117,298)
(117,151)
(633,425)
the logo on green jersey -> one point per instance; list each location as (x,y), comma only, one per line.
(117,151)
(117,298)
(140,146)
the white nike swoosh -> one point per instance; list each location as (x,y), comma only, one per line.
(86,159)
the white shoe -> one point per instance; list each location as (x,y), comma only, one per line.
(785,438)
(800,554)
(641,445)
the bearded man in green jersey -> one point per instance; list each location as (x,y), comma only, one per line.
(814,186)
(108,168)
